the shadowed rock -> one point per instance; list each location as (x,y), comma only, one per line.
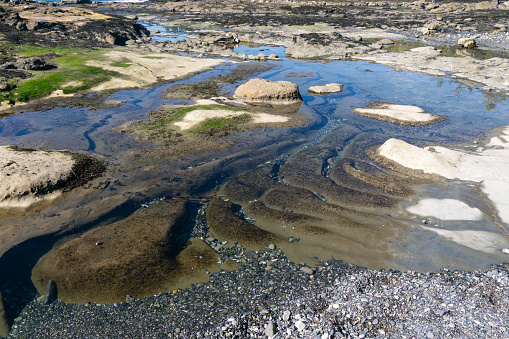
(51,293)
(4,326)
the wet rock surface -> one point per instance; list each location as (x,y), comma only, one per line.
(270,294)
(140,255)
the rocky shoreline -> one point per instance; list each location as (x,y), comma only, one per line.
(271,297)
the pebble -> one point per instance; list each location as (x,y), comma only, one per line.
(300,325)
(307,270)
(270,330)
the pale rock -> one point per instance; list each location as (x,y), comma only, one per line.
(300,325)
(327,89)
(467,43)
(262,90)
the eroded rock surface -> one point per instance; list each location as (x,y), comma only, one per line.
(403,115)
(26,175)
(40,23)
(137,256)
(262,90)
(326,89)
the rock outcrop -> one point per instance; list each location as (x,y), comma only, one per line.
(325,46)
(403,115)
(327,89)
(26,174)
(40,23)
(262,90)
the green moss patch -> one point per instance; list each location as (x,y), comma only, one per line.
(70,67)
(221,126)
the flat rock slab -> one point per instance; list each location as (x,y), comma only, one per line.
(29,172)
(262,90)
(327,89)
(399,114)
(137,256)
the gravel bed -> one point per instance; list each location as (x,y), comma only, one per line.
(269,296)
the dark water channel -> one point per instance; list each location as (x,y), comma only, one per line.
(470,111)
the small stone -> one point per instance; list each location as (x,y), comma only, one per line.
(286,315)
(129,299)
(270,330)
(300,325)
(430,335)
(307,270)
(467,43)
(272,247)
(505,251)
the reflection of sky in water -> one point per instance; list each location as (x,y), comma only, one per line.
(165,30)
(84,129)
(267,50)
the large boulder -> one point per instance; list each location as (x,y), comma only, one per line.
(262,90)
(467,43)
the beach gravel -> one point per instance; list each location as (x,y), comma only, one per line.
(338,300)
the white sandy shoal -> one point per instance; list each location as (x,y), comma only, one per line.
(23,172)
(399,112)
(197,116)
(147,69)
(487,242)
(488,165)
(445,209)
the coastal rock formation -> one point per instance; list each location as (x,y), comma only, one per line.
(27,172)
(325,46)
(403,115)
(262,90)
(327,89)
(40,23)
(26,175)
(467,43)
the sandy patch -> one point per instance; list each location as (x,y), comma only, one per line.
(26,173)
(399,114)
(195,117)
(445,209)
(147,69)
(486,165)
(483,241)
